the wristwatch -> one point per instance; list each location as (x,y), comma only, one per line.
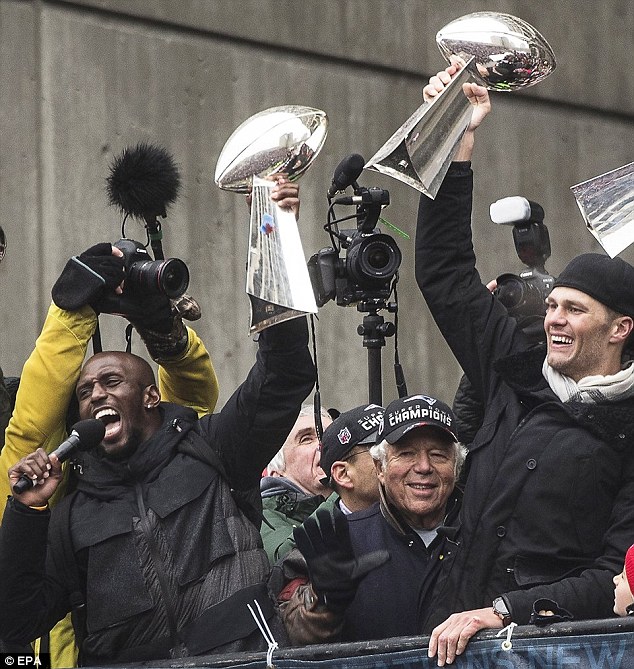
(501,610)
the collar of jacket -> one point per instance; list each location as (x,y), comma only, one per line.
(287,499)
(395,519)
(612,421)
(276,485)
(106,496)
(100,474)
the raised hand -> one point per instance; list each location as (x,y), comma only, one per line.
(335,571)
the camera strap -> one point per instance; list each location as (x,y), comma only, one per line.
(96,339)
(399,375)
(319,427)
(128,338)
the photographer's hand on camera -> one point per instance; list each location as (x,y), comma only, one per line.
(162,331)
(86,278)
(158,324)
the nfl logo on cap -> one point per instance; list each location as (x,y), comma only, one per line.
(344,436)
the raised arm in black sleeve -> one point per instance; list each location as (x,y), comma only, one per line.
(257,418)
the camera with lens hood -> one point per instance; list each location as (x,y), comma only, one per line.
(146,276)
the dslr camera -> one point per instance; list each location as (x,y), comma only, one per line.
(371,260)
(146,276)
(524,294)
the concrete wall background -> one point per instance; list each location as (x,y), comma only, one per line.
(81,80)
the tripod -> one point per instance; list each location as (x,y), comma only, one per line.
(374,330)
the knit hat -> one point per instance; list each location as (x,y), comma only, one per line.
(609,280)
(351,428)
(629,567)
(407,413)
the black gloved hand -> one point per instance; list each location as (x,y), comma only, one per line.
(146,311)
(161,329)
(546,612)
(87,277)
(335,572)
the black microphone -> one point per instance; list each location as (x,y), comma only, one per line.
(85,434)
(346,173)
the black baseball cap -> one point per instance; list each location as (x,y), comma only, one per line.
(351,428)
(407,413)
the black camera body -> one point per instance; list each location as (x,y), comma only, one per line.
(372,258)
(365,273)
(143,275)
(524,294)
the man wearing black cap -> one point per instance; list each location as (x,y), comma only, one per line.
(346,467)
(548,509)
(370,571)
(345,457)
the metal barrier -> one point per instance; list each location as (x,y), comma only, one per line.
(593,644)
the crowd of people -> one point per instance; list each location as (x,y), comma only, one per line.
(163,540)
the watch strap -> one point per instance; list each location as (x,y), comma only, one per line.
(501,610)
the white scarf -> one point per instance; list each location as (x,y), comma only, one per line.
(591,389)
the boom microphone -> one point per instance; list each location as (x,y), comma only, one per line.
(143,181)
(85,434)
(346,173)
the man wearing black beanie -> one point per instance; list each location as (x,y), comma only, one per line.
(548,510)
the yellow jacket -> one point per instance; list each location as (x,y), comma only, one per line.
(47,384)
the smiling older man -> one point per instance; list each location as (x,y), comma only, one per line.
(388,553)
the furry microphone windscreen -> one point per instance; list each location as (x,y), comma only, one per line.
(143,181)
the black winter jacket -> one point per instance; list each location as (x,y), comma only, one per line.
(167,562)
(548,509)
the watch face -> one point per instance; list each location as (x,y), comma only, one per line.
(500,607)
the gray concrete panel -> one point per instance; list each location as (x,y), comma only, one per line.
(21,303)
(588,38)
(109,81)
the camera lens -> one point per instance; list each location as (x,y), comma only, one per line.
(378,258)
(170,277)
(510,290)
(374,258)
(522,297)
(173,277)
